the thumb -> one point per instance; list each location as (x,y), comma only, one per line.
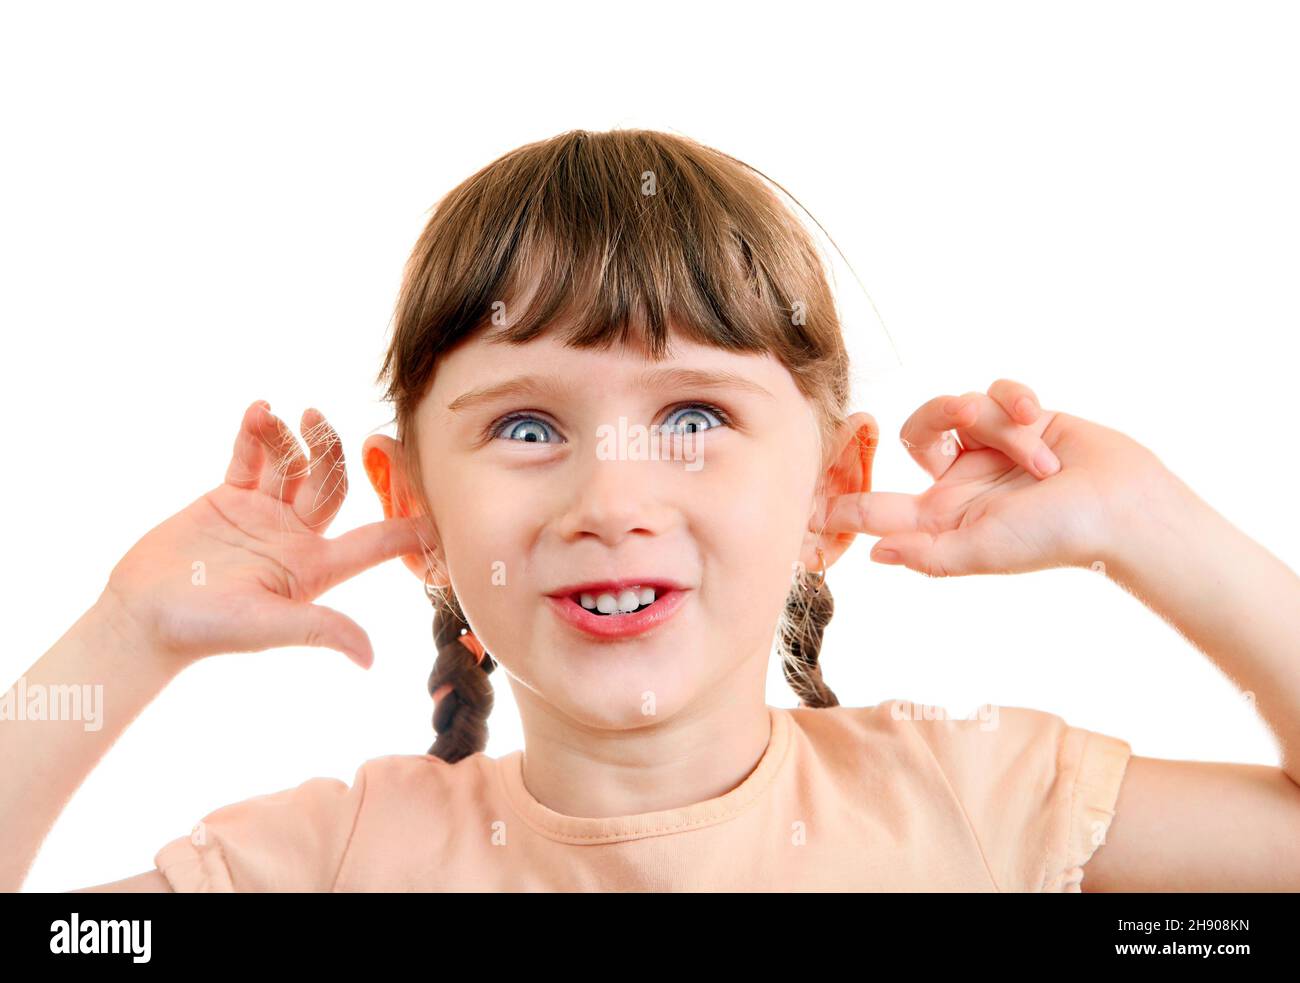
(299,623)
(951,553)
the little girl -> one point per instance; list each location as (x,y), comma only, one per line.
(623,467)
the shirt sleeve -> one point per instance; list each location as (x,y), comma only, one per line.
(294,840)
(1039,794)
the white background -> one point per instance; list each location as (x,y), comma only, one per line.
(207,205)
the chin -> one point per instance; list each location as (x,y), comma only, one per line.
(625,696)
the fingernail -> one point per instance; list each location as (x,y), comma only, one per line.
(1045,462)
(954,405)
(885,556)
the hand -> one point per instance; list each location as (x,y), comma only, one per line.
(236,570)
(999,502)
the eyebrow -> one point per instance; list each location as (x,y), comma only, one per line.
(536,385)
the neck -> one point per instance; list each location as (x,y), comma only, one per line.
(697,753)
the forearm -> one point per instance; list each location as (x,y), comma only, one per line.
(1227,594)
(99,673)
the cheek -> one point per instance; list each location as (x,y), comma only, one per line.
(770,486)
(758,508)
(473,515)
(480,531)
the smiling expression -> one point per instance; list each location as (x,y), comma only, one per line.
(525,505)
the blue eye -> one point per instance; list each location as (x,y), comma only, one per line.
(515,427)
(527,428)
(686,425)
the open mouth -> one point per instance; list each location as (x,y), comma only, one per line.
(611,604)
(619,610)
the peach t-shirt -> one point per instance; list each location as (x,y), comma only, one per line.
(844,799)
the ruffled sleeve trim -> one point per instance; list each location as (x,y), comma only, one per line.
(190,868)
(1099,772)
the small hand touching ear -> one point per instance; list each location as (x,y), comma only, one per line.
(1016,488)
(237,570)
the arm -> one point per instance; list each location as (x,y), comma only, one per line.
(1208,826)
(1104,497)
(43,762)
(1200,826)
(259,541)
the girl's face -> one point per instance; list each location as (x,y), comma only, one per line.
(531,494)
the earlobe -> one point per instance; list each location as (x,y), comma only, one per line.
(379,456)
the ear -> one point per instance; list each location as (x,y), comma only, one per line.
(853,452)
(380,455)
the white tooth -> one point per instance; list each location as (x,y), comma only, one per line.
(647,595)
(588,602)
(628,601)
(606,603)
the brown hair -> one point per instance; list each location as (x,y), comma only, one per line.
(620,231)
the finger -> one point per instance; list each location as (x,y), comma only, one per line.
(287,467)
(927,433)
(245,467)
(296,623)
(874,513)
(972,403)
(1017,399)
(992,427)
(950,553)
(326,486)
(362,548)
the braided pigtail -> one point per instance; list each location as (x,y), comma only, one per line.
(808,611)
(462,693)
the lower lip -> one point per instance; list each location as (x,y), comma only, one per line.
(618,625)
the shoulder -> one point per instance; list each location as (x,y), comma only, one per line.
(989,742)
(1037,792)
(413,771)
(909,722)
(403,786)
(298,838)
(986,730)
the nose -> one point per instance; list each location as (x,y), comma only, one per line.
(616,498)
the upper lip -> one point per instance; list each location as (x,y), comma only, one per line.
(660,584)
